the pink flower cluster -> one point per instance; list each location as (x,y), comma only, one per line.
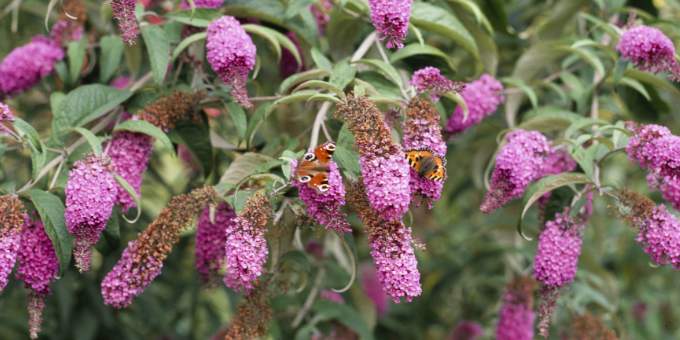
(124,12)
(387,183)
(325,207)
(515,322)
(246,254)
(397,264)
(331,296)
(559,246)
(430,80)
(650,50)
(482,98)
(9,246)
(64,32)
(373,288)
(127,279)
(27,65)
(231,54)
(518,163)
(90,196)
(466,330)
(129,152)
(558,162)
(390,19)
(320,12)
(5,115)
(203,4)
(210,241)
(38,265)
(656,149)
(660,236)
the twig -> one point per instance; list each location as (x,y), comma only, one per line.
(325,131)
(279,213)
(320,117)
(139,83)
(56,174)
(310,298)
(384,57)
(364,47)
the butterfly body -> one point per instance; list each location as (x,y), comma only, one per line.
(427,163)
(313,167)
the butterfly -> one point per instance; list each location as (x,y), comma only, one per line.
(427,163)
(313,167)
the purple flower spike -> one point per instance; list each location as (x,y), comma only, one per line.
(129,152)
(210,241)
(466,330)
(127,280)
(387,184)
(516,319)
(5,115)
(325,207)
(650,50)
(25,66)
(203,4)
(38,265)
(430,80)
(9,246)
(397,264)
(124,12)
(231,54)
(373,288)
(390,19)
(482,97)
(518,163)
(90,196)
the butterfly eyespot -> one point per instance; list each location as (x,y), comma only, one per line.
(323,187)
(309,156)
(330,146)
(305,179)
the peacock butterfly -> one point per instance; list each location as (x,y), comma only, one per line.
(313,167)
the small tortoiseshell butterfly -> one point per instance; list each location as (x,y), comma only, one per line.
(427,163)
(313,167)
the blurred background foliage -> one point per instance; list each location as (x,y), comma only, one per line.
(469,256)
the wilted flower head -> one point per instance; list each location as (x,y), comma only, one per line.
(210,241)
(390,241)
(11,224)
(38,266)
(90,196)
(331,296)
(166,112)
(587,327)
(466,330)
(482,98)
(373,288)
(129,152)
(518,163)
(390,19)
(383,163)
(252,315)
(231,54)
(422,130)
(430,80)
(143,259)
(325,207)
(650,50)
(27,65)
(516,319)
(246,246)
(288,64)
(124,12)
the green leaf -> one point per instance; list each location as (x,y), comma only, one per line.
(158,46)
(243,166)
(128,188)
(268,166)
(148,129)
(549,183)
(320,60)
(583,123)
(414,49)
(240,119)
(85,103)
(561,12)
(258,117)
(319,83)
(586,55)
(110,237)
(545,124)
(388,69)
(650,79)
(52,211)
(112,52)
(267,34)
(196,138)
(186,42)
(295,79)
(620,70)
(298,258)
(637,86)
(456,97)
(517,82)
(94,142)
(76,58)
(295,6)
(274,12)
(416,31)
(344,315)
(343,31)
(287,157)
(477,12)
(35,145)
(437,20)
(323,97)
(558,199)
(202,17)
(342,74)
(385,100)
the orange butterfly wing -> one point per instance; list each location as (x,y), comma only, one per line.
(438,174)
(312,167)
(319,182)
(418,156)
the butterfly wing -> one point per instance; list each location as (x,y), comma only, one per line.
(324,152)
(439,172)
(416,156)
(319,182)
